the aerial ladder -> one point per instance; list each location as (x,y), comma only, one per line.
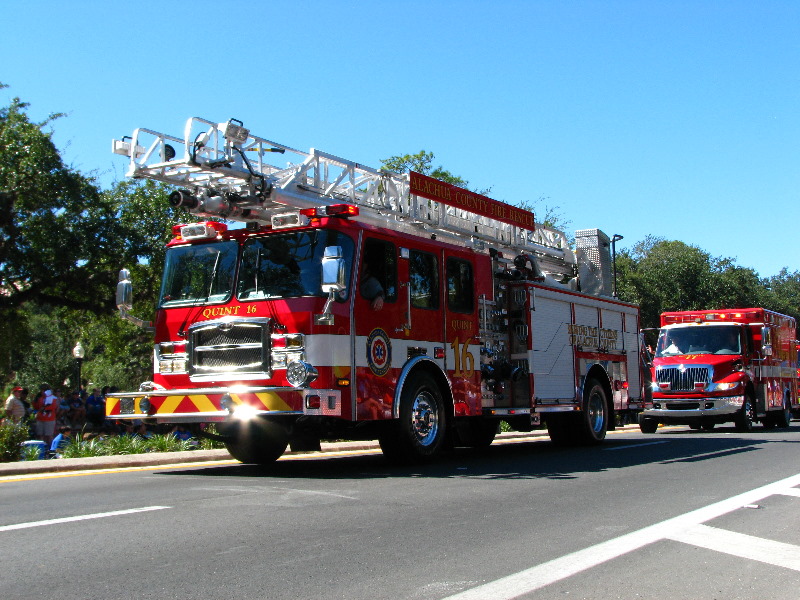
(223,171)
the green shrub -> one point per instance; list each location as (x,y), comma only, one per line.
(83,448)
(11,438)
(167,443)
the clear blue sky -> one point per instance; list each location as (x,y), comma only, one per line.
(677,119)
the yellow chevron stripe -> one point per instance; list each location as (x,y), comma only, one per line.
(170,404)
(111,404)
(272,401)
(203,403)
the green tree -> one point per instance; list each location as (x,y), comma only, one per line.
(785,288)
(56,232)
(422,162)
(661,275)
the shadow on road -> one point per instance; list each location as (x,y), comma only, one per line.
(531,459)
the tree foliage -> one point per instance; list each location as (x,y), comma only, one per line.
(62,243)
(56,233)
(662,275)
(422,162)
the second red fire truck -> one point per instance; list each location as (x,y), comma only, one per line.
(353,303)
(717,366)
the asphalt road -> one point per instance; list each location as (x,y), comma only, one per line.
(677,514)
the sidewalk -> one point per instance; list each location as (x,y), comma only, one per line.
(154,459)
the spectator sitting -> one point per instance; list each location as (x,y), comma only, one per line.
(181,433)
(142,431)
(95,408)
(60,441)
(76,411)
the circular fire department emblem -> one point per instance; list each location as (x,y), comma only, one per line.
(379,352)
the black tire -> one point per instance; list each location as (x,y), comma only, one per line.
(593,419)
(783,418)
(708,426)
(258,442)
(477,432)
(648,425)
(561,428)
(419,434)
(745,417)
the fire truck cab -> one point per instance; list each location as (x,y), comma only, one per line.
(718,366)
(363,304)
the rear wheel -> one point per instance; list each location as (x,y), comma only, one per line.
(478,432)
(784,417)
(419,434)
(593,421)
(257,442)
(561,428)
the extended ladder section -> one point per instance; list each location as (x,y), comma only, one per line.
(226,172)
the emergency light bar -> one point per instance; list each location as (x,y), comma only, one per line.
(304,216)
(292,219)
(207,230)
(333,210)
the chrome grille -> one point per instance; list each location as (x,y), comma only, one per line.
(230,347)
(682,380)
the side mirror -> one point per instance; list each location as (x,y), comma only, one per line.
(766,341)
(333,281)
(333,270)
(125,301)
(125,291)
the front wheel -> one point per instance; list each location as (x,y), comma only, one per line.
(258,441)
(648,425)
(745,417)
(419,434)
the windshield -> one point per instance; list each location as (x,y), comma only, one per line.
(698,340)
(288,264)
(198,274)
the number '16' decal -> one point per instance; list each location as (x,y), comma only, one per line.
(464,361)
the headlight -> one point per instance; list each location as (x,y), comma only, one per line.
(172,365)
(299,373)
(724,387)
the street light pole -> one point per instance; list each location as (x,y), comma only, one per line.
(78,353)
(616,237)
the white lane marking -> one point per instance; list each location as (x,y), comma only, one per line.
(115,513)
(791,492)
(628,446)
(742,545)
(524,582)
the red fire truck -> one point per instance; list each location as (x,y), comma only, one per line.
(717,366)
(356,303)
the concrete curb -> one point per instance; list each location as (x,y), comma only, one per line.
(154,459)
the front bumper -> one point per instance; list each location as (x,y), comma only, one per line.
(194,405)
(688,410)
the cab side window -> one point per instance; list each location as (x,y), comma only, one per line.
(378,273)
(460,287)
(424,274)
